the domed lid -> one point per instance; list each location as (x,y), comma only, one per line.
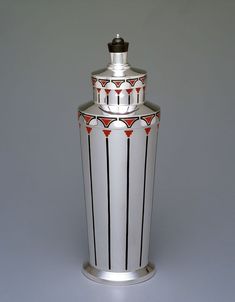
(118,45)
(119,88)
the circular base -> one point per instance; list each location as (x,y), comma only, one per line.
(118,278)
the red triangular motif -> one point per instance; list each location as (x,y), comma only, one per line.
(118,91)
(106,132)
(147,130)
(148,118)
(106,121)
(129,121)
(88,118)
(142,79)
(128,132)
(88,129)
(98,90)
(129,90)
(103,82)
(138,89)
(107,91)
(118,83)
(132,81)
(94,80)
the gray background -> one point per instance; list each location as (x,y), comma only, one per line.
(47,51)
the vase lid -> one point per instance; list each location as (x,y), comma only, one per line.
(119,88)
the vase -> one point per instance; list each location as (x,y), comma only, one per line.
(118,133)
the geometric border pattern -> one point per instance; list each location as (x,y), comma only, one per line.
(128,121)
(118,83)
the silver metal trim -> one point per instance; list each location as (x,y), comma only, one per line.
(118,278)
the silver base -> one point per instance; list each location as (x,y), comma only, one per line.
(120,278)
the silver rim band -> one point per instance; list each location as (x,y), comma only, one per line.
(118,278)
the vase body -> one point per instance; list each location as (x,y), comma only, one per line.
(118,133)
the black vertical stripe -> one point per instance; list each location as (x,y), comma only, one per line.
(129,99)
(99,97)
(118,99)
(143,206)
(107,99)
(108,195)
(92,201)
(127,200)
(138,97)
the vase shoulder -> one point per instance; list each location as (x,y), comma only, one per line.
(143,115)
